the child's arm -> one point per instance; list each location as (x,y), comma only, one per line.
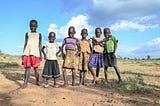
(44,52)
(94,41)
(63,55)
(26,41)
(102,43)
(78,47)
(58,51)
(40,45)
(115,47)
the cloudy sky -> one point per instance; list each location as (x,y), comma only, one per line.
(135,23)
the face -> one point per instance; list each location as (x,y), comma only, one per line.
(33,26)
(71,32)
(107,33)
(98,32)
(84,34)
(51,37)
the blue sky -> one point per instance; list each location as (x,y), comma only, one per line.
(135,23)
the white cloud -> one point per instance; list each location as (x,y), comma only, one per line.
(104,12)
(126,51)
(79,22)
(154,42)
(125,25)
(151,48)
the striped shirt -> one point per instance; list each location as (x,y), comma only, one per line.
(70,43)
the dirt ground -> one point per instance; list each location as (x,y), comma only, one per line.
(89,95)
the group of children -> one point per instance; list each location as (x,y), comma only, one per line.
(91,53)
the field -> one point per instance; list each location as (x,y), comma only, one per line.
(140,87)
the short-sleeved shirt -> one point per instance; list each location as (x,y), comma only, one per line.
(109,44)
(51,49)
(70,43)
(98,48)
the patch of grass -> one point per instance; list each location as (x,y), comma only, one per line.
(134,85)
(131,85)
(12,64)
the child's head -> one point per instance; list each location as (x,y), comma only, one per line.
(84,33)
(98,32)
(52,36)
(106,32)
(71,31)
(33,25)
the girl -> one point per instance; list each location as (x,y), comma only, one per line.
(71,46)
(32,52)
(84,49)
(96,59)
(110,47)
(51,67)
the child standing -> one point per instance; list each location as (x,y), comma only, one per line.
(51,67)
(110,47)
(84,49)
(96,59)
(71,46)
(32,52)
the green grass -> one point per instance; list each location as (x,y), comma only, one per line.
(7,64)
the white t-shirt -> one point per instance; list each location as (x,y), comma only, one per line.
(51,49)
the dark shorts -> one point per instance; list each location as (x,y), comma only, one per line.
(109,61)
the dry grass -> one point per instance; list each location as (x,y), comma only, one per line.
(140,77)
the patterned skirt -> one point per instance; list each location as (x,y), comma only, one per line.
(51,69)
(70,61)
(96,60)
(109,61)
(83,61)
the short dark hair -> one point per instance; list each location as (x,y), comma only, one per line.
(97,29)
(35,21)
(106,29)
(72,27)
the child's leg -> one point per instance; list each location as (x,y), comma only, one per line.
(36,75)
(84,77)
(46,80)
(105,73)
(80,77)
(65,76)
(46,83)
(26,77)
(118,73)
(73,77)
(92,72)
(55,83)
(97,72)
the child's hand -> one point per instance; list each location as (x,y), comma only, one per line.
(113,55)
(57,54)
(63,56)
(78,54)
(44,57)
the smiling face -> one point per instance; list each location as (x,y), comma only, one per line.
(107,32)
(33,26)
(84,33)
(71,32)
(52,36)
(98,32)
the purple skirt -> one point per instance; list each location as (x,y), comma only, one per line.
(96,60)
